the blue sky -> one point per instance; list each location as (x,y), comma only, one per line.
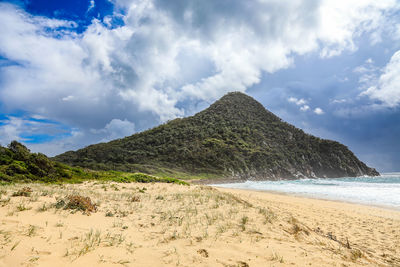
(74,73)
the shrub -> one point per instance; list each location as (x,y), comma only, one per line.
(145,178)
(17,167)
(20,151)
(4,177)
(135,198)
(24,192)
(78,203)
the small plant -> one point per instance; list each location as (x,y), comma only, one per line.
(135,198)
(78,203)
(203,252)
(3,192)
(45,193)
(15,245)
(355,254)
(242,264)
(109,214)
(90,241)
(296,229)
(4,202)
(122,213)
(243,222)
(123,262)
(143,190)
(269,216)
(115,187)
(275,257)
(43,208)
(22,207)
(31,230)
(59,204)
(33,259)
(117,224)
(24,192)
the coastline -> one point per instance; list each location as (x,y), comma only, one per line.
(155,224)
(293,197)
(308,196)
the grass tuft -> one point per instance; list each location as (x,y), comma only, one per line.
(24,192)
(77,203)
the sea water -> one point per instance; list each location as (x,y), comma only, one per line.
(382,190)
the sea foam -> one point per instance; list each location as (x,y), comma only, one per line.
(382,190)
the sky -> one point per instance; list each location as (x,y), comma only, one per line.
(79,72)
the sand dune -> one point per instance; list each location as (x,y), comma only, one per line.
(175,225)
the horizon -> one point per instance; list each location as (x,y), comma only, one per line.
(78,73)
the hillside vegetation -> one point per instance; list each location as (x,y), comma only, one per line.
(18,164)
(235,137)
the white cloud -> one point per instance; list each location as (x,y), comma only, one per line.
(342,21)
(116,128)
(22,128)
(91,5)
(144,67)
(318,111)
(305,108)
(339,101)
(386,88)
(298,102)
(68,98)
(369,61)
(367,68)
(25,128)
(10,130)
(74,141)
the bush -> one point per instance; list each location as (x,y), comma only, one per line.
(17,167)
(78,203)
(145,178)
(24,192)
(5,178)
(20,151)
(17,164)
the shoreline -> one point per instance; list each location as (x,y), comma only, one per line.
(229,180)
(306,196)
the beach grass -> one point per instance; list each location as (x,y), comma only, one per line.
(160,224)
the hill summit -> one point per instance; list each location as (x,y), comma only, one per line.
(236,137)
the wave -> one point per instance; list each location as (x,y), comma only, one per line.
(381,190)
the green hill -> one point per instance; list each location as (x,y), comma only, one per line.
(18,164)
(235,137)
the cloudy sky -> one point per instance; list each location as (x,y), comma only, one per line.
(78,72)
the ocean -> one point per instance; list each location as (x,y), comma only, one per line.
(383,190)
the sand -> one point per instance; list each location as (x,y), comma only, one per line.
(175,225)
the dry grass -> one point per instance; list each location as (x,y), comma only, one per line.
(77,203)
(24,192)
(181,225)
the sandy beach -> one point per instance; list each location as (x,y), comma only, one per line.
(177,225)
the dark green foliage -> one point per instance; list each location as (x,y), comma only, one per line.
(145,178)
(19,151)
(236,136)
(17,164)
